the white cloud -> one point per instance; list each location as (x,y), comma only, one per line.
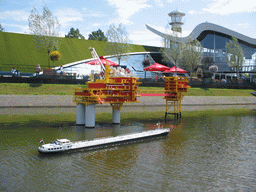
(62,33)
(145,37)
(226,7)
(92,13)
(67,15)
(193,12)
(244,25)
(128,8)
(159,3)
(96,24)
(17,15)
(21,28)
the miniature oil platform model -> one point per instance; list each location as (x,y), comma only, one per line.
(175,89)
(116,87)
(113,86)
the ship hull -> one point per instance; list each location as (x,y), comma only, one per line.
(108,144)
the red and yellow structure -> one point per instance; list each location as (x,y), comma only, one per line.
(119,88)
(111,89)
(175,89)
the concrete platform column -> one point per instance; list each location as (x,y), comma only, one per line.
(90,116)
(116,112)
(80,114)
(116,116)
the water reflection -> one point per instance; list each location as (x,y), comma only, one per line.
(203,154)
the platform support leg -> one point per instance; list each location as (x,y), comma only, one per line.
(165,117)
(90,116)
(116,113)
(80,114)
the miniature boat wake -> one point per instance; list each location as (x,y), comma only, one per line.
(63,145)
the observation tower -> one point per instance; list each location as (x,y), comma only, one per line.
(176,20)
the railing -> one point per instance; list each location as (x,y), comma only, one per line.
(26,68)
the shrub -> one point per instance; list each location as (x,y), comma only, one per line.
(55,56)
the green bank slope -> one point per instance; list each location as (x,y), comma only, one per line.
(19,50)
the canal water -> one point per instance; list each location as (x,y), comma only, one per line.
(216,153)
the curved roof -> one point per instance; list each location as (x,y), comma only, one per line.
(201,30)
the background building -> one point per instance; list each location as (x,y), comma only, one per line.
(213,39)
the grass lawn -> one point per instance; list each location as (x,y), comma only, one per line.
(219,92)
(37,89)
(203,92)
(66,89)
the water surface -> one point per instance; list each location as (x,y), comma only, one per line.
(215,153)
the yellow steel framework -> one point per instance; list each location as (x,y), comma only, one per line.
(113,90)
(175,89)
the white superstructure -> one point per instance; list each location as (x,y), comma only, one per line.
(55,146)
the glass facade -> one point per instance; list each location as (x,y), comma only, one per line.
(215,53)
(132,62)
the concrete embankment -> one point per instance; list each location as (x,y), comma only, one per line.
(40,101)
(53,104)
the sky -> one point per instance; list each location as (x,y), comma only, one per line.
(91,15)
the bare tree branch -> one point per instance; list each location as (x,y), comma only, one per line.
(118,42)
(45,30)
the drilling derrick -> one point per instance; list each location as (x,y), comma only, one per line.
(175,89)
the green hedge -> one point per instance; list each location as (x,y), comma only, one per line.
(19,50)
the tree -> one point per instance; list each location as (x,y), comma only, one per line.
(207,62)
(172,51)
(235,55)
(118,42)
(74,34)
(98,36)
(182,54)
(55,56)
(45,30)
(191,55)
(1,28)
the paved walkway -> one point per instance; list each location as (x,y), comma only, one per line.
(34,104)
(38,101)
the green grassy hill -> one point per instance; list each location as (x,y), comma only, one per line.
(19,50)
